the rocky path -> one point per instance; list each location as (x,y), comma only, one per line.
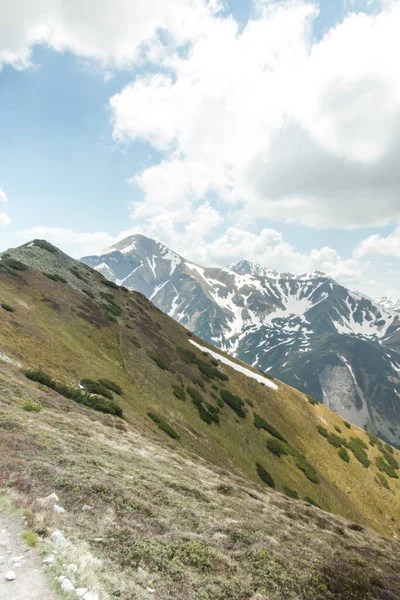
(17,559)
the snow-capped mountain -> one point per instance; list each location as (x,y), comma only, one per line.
(389,303)
(307,330)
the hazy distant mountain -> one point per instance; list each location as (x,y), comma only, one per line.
(306,329)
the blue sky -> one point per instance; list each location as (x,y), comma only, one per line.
(258,130)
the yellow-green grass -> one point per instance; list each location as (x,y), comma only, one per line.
(49,329)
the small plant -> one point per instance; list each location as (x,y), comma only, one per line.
(236,403)
(7,307)
(357,446)
(89,293)
(265,476)
(13,263)
(110,284)
(163,425)
(277,447)
(312,400)
(124,289)
(30,538)
(95,387)
(335,440)
(179,392)
(383,481)
(291,493)
(159,362)
(337,428)
(344,455)
(347,424)
(56,277)
(111,385)
(322,431)
(32,406)
(44,245)
(261,423)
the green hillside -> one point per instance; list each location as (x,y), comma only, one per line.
(197,444)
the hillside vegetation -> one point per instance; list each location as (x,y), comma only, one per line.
(182,483)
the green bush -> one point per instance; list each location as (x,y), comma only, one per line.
(55,277)
(75,271)
(186,355)
(95,402)
(347,424)
(159,362)
(291,493)
(261,423)
(337,428)
(110,284)
(210,371)
(335,440)
(13,263)
(89,293)
(344,455)
(124,289)
(112,309)
(234,402)
(357,446)
(323,431)
(30,538)
(207,412)
(389,448)
(32,406)
(95,387)
(179,391)
(45,246)
(264,475)
(277,447)
(384,482)
(164,426)
(111,385)
(302,463)
(386,467)
(7,307)
(312,400)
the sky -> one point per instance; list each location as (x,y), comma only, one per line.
(266,130)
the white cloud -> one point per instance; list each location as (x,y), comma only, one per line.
(379,245)
(74,243)
(113,33)
(269,120)
(4,220)
(3,196)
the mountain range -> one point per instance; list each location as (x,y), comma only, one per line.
(178,470)
(337,345)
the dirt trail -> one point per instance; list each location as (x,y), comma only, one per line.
(30,582)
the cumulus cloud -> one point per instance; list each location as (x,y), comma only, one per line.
(275,124)
(75,243)
(113,33)
(379,245)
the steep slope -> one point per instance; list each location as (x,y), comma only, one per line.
(311,332)
(389,303)
(179,493)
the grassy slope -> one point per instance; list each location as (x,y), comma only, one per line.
(68,334)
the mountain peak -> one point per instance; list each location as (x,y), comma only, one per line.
(255,269)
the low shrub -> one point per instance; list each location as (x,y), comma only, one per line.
(323,431)
(335,440)
(45,245)
(55,277)
(179,392)
(265,476)
(249,402)
(124,289)
(186,355)
(32,406)
(291,493)
(95,402)
(277,447)
(89,293)
(77,274)
(111,385)
(302,463)
(344,455)
(164,426)
(112,309)
(383,481)
(312,400)
(236,403)
(261,423)
(13,263)
(110,284)
(207,412)
(357,446)
(347,424)
(95,387)
(159,362)
(386,467)
(7,307)
(337,428)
